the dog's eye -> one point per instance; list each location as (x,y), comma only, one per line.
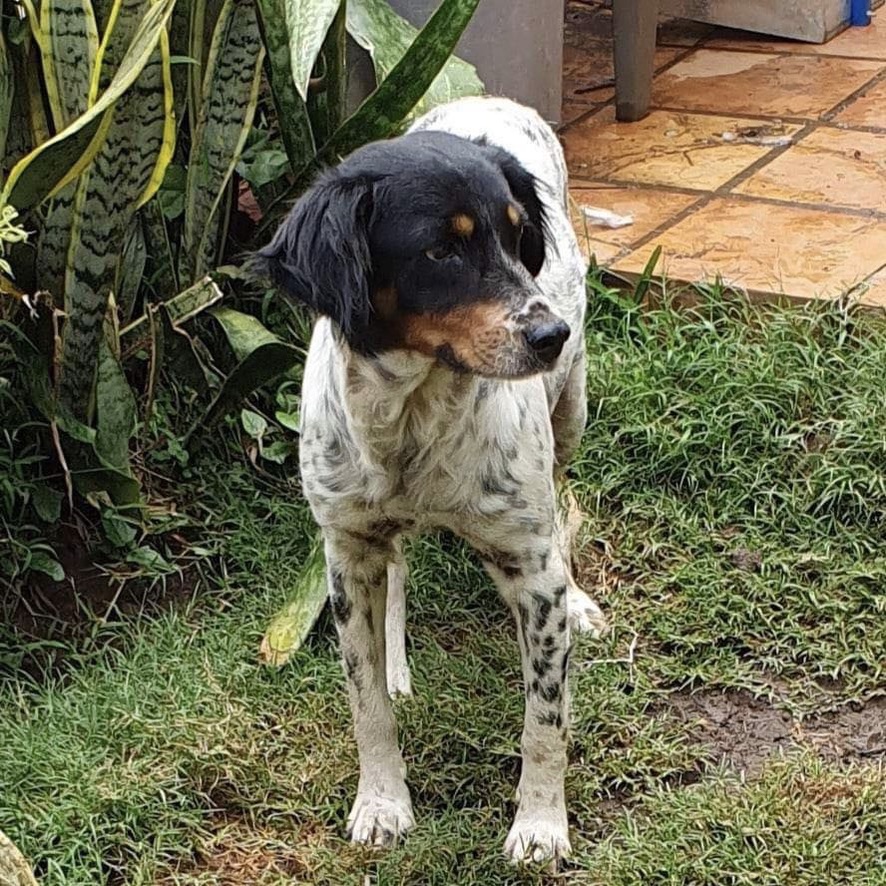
(440,253)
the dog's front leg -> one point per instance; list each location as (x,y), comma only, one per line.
(382,811)
(533,580)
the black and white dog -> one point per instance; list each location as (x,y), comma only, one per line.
(444,387)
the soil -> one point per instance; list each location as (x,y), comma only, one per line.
(745,732)
(46,615)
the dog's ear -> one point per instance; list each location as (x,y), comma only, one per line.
(320,253)
(524,187)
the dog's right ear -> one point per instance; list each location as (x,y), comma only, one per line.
(320,253)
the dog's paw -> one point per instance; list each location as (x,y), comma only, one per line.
(585,616)
(379,820)
(538,837)
(399,682)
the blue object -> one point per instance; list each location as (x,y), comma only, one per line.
(860,13)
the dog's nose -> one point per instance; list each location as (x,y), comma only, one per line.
(547,339)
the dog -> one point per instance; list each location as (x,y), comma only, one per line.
(444,387)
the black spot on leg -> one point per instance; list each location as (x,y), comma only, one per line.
(552,718)
(543,613)
(367,614)
(551,693)
(541,666)
(561,625)
(341,605)
(482,392)
(543,561)
(503,561)
(558,594)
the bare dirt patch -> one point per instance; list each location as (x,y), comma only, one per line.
(745,732)
(238,852)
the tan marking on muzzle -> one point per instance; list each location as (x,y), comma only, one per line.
(473,333)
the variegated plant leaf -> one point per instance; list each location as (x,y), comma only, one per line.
(230,95)
(307,22)
(292,112)
(326,106)
(68,41)
(60,160)
(386,37)
(108,194)
(116,408)
(384,111)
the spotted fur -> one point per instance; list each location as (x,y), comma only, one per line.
(417,433)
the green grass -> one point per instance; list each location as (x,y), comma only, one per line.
(733,475)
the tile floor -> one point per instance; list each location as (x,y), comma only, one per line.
(762,161)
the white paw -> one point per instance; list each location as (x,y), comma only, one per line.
(538,837)
(399,682)
(585,616)
(379,820)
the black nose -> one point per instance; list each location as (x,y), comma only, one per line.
(547,339)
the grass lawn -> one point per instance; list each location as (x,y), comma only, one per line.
(727,731)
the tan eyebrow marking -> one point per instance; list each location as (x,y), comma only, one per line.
(514,214)
(462,224)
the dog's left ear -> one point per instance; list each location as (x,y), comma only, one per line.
(524,187)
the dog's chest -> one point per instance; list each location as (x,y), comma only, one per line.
(422,465)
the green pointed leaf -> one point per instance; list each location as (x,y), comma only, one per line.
(279,451)
(289,420)
(230,95)
(119,531)
(264,364)
(6,93)
(47,503)
(244,332)
(40,562)
(292,112)
(61,159)
(115,409)
(307,22)
(387,37)
(289,628)
(254,424)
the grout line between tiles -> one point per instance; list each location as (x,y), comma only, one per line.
(764,160)
(843,104)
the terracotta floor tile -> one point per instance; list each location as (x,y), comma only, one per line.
(783,249)
(588,72)
(726,82)
(651,209)
(680,150)
(867,42)
(835,167)
(867,110)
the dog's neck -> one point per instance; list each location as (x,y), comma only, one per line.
(402,398)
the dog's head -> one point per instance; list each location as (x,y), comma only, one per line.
(430,243)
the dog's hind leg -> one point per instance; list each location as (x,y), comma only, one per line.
(568,419)
(585,616)
(397,665)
